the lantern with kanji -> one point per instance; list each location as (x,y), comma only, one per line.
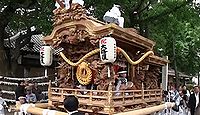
(46,55)
(107,49)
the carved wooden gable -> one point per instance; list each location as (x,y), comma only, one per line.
(74,28)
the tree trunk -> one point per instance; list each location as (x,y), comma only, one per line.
(5,18)
(175,65)
(3,57)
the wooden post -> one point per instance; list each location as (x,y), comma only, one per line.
(62,93)
(49,94)
(132,73)
(149,95)
(123,97)
(109,106)
(75,93)
(155,94)
(161,92)
(90,97)
(142,91)
(165,76)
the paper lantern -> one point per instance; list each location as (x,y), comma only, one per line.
(107,49)
(46,55)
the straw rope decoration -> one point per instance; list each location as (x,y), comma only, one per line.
(84,73)
(97,51)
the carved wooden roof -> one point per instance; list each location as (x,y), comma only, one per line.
(73,26)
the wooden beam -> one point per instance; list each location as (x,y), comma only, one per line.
(149,110)
(36,110)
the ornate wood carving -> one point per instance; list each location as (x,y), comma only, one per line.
(152,78)
(65,78)
(76,12)
(72,35)
(147,74)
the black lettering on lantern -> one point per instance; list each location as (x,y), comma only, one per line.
(103,52)
(42,57)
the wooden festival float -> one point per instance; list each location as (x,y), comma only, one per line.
(80,64)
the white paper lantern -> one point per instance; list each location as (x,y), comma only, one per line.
(107,49)
(46,55)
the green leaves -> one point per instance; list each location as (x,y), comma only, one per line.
(183,25)
(163,21)
(36,13)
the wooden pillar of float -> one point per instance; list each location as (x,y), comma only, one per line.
(161,91)
(149,110)
(165,76)
(108,108)
(49,94)
(142,91)
(132,72)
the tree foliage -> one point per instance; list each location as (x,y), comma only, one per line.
(161,20)
(17,16)
(183,26)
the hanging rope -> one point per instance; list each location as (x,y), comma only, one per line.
(134,62)
(81,60)
(97,50)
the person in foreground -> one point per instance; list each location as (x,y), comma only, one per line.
(193,103)
(2,104)
(71,105)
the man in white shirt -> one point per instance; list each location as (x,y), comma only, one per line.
(197,99)
(193,103)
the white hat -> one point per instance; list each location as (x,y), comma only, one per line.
(121,72)
(21,97)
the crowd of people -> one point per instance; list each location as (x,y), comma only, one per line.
(25,92)
(186,101)
(29,90)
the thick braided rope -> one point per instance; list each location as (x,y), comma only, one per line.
(131,61)
(82,59)
(97,50)
(84,79)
